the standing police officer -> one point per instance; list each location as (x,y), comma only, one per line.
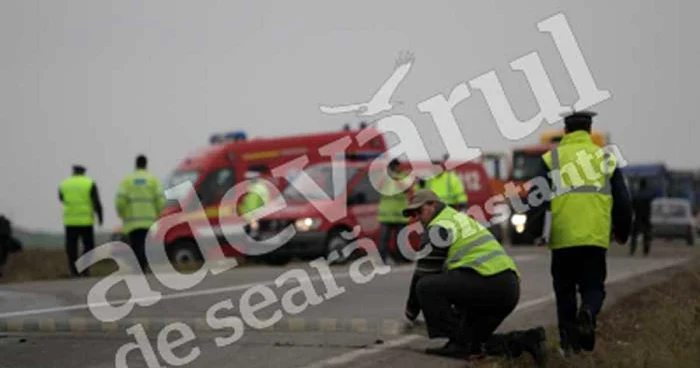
(466,286)
(139,201)
(81,201)
(589,195)
(448,186)
(391,204)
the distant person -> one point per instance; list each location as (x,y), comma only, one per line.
(641,202)
(81,202)
(392,201)
(257,194)
(448,186)
(139,200)
(8,243)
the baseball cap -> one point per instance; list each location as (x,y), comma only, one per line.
(421,197)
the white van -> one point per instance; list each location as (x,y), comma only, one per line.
(672,218)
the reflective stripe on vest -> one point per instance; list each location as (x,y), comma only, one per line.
(473,245)
(580,211)
(606,189)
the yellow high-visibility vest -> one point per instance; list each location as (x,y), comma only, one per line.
(582,203)
(78,209)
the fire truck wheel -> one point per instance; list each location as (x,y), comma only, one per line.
(334,248)
(185,251)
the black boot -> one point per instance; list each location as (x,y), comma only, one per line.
(585,324)
(535,343)
(452,350)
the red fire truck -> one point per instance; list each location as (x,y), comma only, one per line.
(214,170)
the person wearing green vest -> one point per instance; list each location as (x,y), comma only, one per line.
(448,187)
(587,195)
(256,196)
(466,286)
(393,199)
(81,202)
(139,200)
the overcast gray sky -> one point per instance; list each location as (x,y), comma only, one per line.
(97,82)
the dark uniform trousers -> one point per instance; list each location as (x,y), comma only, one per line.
(645,231)
(387,232)
(75,234)
(582,267)
(137,240)
(480,306)
(4,251)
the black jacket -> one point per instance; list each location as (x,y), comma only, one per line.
(621,211)
(642,207)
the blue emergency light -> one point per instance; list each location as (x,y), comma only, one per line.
(359,156)
(236,135)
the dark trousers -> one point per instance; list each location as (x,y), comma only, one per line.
(467,308)
(4,251)
(582,267)
(387,232)
(75,234)
(645,231)
(8,244)
(137,241)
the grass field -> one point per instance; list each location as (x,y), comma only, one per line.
(35,264)
(40,264)
(656,327)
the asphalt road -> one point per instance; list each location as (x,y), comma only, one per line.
(48,324)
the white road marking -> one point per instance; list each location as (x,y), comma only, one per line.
(186,294)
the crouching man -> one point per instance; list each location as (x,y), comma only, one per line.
(466,286)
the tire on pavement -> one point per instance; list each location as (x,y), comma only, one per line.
(335,243)
(184,251)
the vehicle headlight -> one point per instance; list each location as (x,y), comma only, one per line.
(518,219)
(307,223)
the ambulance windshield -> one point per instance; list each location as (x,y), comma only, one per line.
(317,182)
(178,191)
